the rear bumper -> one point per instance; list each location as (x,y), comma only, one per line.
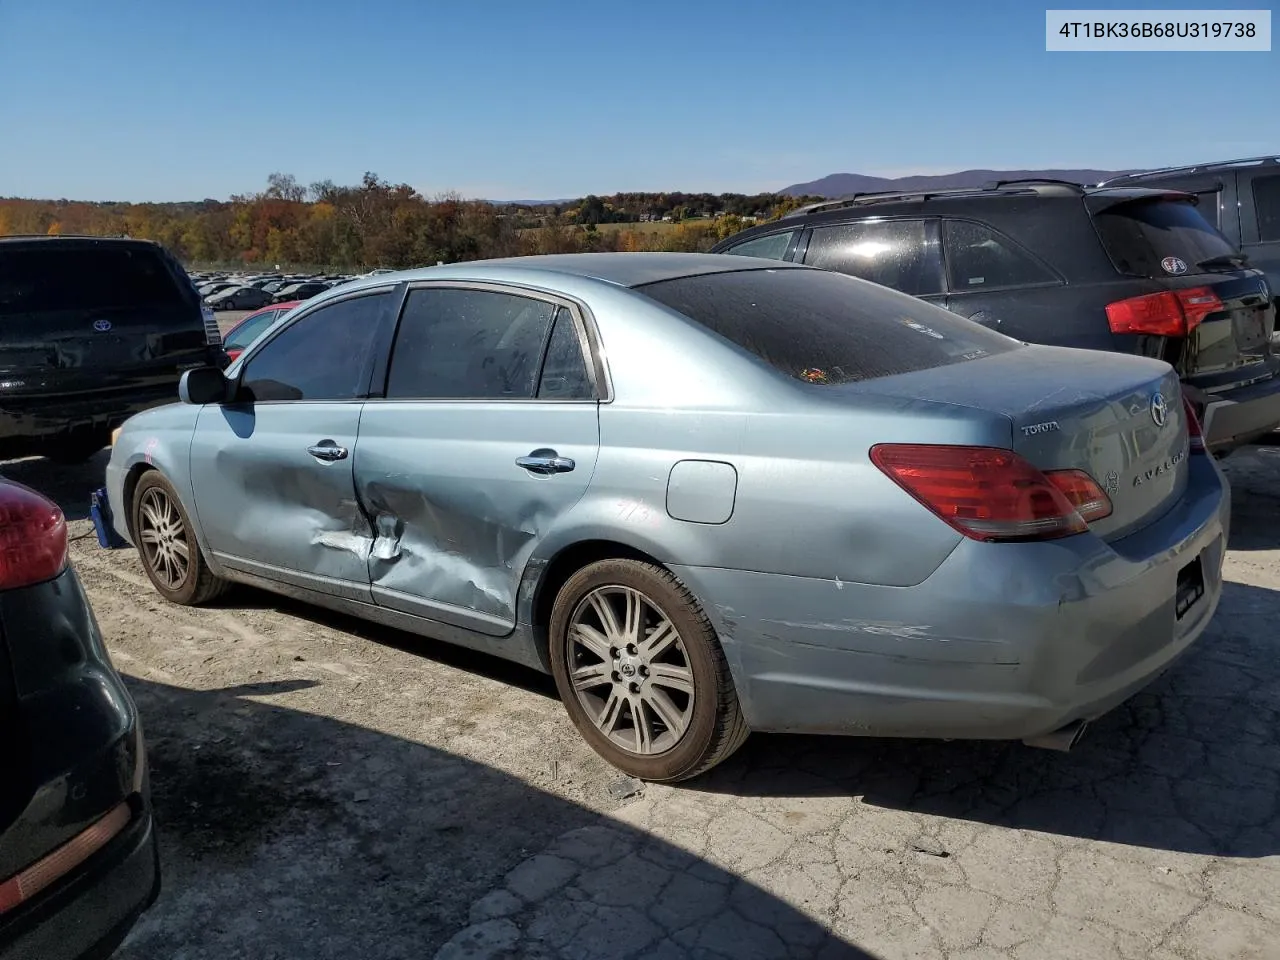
(1236,417)
(88,915)
(1003,641)
(25,422)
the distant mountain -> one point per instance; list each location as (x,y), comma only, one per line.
(844,184)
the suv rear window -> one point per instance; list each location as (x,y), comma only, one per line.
(46,279)
(826,328)
(1140,234)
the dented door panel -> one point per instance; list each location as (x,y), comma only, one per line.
(270,507)
(457,518)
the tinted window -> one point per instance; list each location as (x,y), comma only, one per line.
(894,253)
(1208,207)
(978,258)
(825,328)
(564,371)
(53,277)
(772,247)
(322,356)
(457,344)
(1266,200)
(1139,235)
(248,331)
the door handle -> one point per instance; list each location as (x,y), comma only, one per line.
(328,451)
(545,463)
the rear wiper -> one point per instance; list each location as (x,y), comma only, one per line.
(1224,260)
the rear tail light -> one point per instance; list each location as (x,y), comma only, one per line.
(1173,313)
(1082,492)
(987,493)
(40,875)
(1193,425)
(33,537)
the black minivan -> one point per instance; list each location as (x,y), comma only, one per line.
(92,330)
(1124,269)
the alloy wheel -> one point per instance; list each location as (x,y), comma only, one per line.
(163,537)
(630,670)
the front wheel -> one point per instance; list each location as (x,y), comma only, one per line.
(167,545)
(641,672)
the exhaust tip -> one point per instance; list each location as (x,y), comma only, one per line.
(1062,740)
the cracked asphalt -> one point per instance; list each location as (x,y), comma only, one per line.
(331,789)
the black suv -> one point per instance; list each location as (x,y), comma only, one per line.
(1239,197)
(92,330)
(1126,269)
(78,860)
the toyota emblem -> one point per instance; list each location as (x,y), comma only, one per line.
(102,326)
(1159,409)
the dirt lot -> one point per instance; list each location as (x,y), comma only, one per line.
(331,789)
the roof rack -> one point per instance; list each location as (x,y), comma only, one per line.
(858,199)
(1034,182)
(1194,168)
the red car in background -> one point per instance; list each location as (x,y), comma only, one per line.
(247,330)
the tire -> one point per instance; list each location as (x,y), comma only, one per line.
(162,531)
(677,736)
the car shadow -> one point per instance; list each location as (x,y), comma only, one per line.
(286,834)
(1254,473)
(1191,764)
(69,486)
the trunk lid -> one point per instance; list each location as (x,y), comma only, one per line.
(1077,410)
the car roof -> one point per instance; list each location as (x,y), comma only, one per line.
(69,240)
(1193,169)
(620,269)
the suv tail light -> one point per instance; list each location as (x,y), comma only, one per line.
(991,494)
(1193,425)
(1173,313)
(33,537)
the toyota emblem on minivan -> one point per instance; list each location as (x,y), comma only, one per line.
(102,326)
(1174,265)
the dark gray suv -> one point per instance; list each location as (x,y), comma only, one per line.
(1124,269)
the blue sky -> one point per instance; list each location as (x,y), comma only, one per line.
(149,100)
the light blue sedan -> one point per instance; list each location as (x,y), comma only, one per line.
(709,494)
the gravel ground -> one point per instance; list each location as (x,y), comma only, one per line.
(327,788)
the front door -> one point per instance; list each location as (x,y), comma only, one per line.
(486,439)
(272,471)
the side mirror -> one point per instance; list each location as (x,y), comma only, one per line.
(203,385)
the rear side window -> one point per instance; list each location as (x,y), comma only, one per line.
(979,259)
(772,247)
(1148,238)
(1266,201)
(564,370)
(825,328)
(51,278)
(895,253)
(248,331)
(464,344)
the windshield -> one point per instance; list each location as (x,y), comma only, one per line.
(827,328)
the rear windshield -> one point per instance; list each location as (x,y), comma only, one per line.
(826,328)
(1148,238)
(49,279)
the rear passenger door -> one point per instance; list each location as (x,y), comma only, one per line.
(902,254)
(996,282)
(487,435)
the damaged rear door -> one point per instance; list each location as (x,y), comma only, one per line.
(487,436)
(272,470)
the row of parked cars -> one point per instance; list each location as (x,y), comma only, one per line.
(709,494)
(221,291)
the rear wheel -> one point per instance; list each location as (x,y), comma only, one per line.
(168,547)
(641,672)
